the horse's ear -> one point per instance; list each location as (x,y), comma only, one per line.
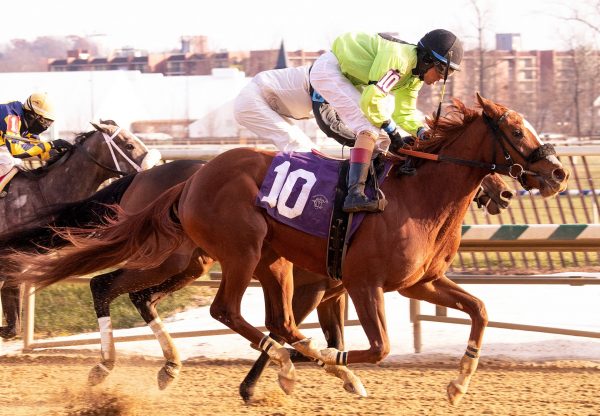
(100,126)
(489,107)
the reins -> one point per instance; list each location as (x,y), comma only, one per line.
(514,170)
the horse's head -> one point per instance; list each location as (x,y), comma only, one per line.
(117,149)
(530,161)
(494,194)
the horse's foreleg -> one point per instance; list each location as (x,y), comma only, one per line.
(446,293)
(331,318)
(370,308)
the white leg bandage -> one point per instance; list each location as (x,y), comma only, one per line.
(107,343)
(164,339)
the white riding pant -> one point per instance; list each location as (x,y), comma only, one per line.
(7,161)
(327,79)
(252,111)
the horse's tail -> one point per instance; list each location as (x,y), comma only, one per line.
(37,234)
(141,240)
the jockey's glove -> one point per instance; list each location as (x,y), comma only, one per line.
(423,133)
(401,142)
(60,145)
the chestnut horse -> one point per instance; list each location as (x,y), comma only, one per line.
(133,193)
(407,248)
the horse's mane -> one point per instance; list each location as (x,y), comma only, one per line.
(456,119)
(62,157)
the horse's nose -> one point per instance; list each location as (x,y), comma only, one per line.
(560,174)
(507,195)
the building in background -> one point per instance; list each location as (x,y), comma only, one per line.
(555,90)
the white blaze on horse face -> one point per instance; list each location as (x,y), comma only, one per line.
(151,159)
(531,129)
(551,158)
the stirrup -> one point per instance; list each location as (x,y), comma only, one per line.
(407,171)
(374,205)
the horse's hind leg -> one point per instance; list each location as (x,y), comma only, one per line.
(226,309)
(145,302)
(10,296)
(100,286)
(306,297)
(446,293)
(105,288)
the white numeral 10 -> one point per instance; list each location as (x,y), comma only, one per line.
(283,186)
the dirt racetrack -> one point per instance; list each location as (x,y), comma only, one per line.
(55,384)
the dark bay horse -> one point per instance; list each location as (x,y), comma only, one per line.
(407,248)
(133,193)
(98,155)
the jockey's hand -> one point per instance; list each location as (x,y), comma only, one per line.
(423,133)
(401,142)
(61,145)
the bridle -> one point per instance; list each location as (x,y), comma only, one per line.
(112,146)
(538,154)
(511,168)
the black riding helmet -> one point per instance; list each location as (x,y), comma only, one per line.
(438,46)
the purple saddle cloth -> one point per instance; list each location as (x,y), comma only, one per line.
(299,191)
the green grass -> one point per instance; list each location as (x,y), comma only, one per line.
(67,308)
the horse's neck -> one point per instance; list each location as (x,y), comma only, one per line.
(77,178)
(443,191)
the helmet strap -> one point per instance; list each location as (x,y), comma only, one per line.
(424,62)
(442,93)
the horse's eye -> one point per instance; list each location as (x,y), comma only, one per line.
(129,146)
(518,133)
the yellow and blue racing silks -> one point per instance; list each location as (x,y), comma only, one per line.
(380,67)
(14,134)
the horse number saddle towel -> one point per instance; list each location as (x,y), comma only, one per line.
(299,190)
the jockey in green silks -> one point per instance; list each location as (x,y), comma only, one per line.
(360,72)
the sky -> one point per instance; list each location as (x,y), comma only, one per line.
(157,25)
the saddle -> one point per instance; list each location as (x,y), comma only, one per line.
(341,222)
(4,181)
(306,191)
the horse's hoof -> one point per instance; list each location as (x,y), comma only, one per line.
(168,374)
(8,332)
(286,384)
(98,374)
(246,391)
(455,393)
(352,383)
(355,386)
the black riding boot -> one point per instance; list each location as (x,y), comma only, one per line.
(11,307)
(356,199)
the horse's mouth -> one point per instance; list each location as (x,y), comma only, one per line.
(549,187)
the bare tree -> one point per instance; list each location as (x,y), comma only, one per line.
(21,55)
